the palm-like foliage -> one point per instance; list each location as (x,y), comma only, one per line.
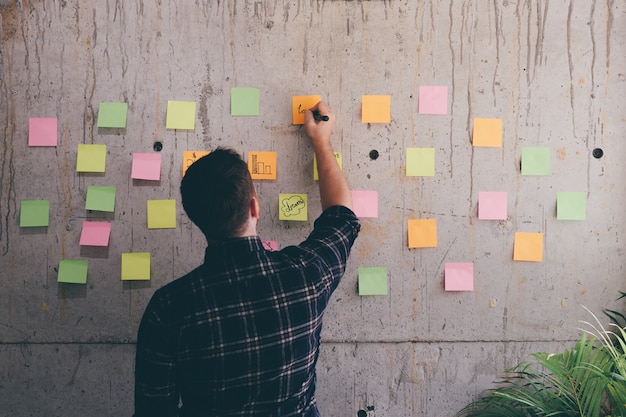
(588,381)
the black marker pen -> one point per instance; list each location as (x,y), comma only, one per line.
(320,118)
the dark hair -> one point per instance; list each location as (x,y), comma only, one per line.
(216,192)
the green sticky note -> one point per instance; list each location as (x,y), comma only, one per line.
(372,281)
(244,101)
(181,115)
(91,158)
(34,213)
(112,114)
(73,271)
(293,207)
(420,162)
(571,205)
(136,266)
(161,214)
(100,198)
(535,161)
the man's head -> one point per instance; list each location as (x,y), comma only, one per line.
(217,194)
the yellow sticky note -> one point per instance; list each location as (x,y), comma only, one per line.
(422,233)
(262,165)
(189,157)
(300,104)
(136,266)
(420,162)
(293,207)
(161,214)
(338,157)
(528,247)
(91,158)
(181,115)
(376,109)
(487,132)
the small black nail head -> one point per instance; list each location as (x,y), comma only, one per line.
(157,146)
(374,154)
(597,153)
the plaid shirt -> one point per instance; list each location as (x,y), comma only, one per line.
(239,335)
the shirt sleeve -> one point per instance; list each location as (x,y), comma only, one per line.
(156,392)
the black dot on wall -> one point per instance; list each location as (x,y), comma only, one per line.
(597,153)
(361,413)
(157,146)
(374,154)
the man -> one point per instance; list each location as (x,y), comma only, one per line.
(239,335)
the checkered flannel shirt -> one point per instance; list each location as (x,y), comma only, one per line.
(239,335)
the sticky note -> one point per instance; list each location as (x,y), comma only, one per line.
(372,281)
(365,203)
(459,276)
(422,233)
(34,213)
(181,115)
(42,131)
(270,245)
(91,158)
(535,160)
(293,207)
(433,99)
(244,101)
(136,266)
(100,198)
(338,157)
(95,234)
(300,104)
(420,162)
(376,109)
(146,166)
(112,114)
(571,205)
(73,271)
(492,205)
(528,247)
(262,165)
(189,157)
(161,214)
(487,132)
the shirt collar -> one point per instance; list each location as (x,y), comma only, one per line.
(236,246)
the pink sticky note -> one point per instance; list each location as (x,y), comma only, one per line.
(270,245)
(42,131)
(95,234)
(365,203)
(459,276)
(146,166)
(433,99)
(492,205)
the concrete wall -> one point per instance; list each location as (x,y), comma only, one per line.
(554,72)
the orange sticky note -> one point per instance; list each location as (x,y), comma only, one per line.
(487,133)
(189,157)
(376,109)
(528,247)
(300,104)
(422,233)
(262,165)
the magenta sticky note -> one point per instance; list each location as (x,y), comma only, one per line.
(270,245)
(365,203)
(492,205)
(433,99)
(146,166)
(42,131)
(95,234)
(459,276)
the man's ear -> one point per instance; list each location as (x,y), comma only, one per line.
(255,207)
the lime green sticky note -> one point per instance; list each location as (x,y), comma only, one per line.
(338,157)
(420,162)
(112,114)
(34,213)
(135,266)
(244,101)
(161,214)
(571,205)
(100,198)
(73,271)
(293,207)
(372,280)
(535,161)
(181,115)
(91,158)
